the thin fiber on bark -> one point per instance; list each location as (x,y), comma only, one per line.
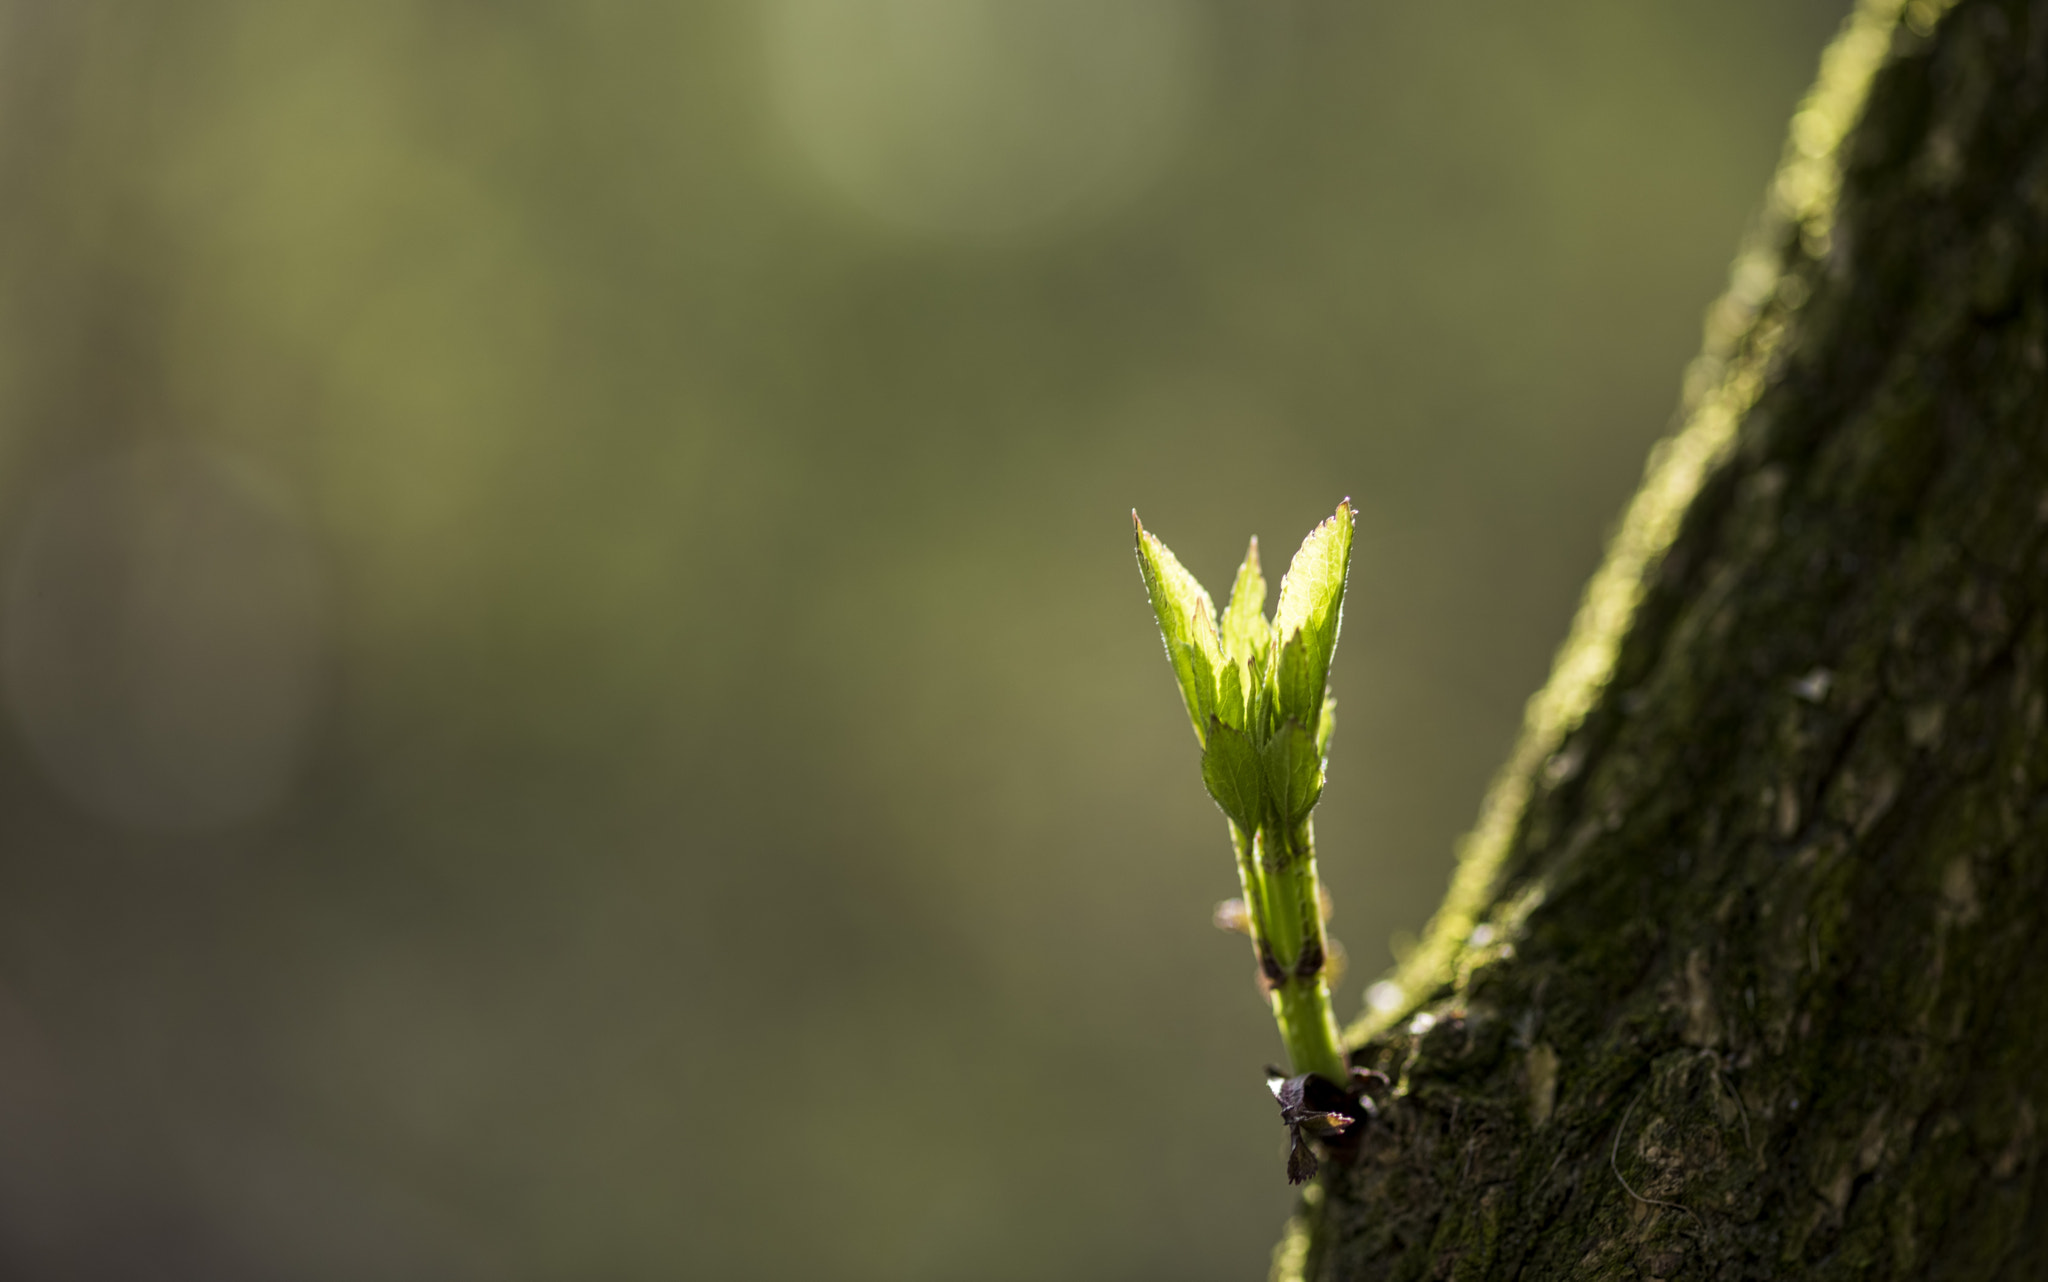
(1743,973)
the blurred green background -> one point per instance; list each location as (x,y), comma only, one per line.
(577,700)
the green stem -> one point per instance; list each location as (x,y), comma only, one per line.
(1287,919)
(1252,884)
(1309,1027)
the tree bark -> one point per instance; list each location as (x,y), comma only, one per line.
(1741,974)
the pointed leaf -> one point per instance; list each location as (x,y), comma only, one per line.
(1258,712)
(1311,609)
(1295,680)
(1230,695)
(1201,677)
(1187,623)
(1245,630)
(1293,771)
(1314,584)
(1230,770)
(1326,725)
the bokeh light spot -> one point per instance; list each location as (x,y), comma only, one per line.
(983,120)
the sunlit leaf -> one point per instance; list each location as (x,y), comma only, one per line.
(1187,623)
(1230,705)
(1245,631)
(1294,677)
(1199,663)
(1310,611)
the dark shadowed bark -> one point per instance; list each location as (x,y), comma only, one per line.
(1742,976)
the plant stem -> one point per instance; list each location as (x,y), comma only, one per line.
(1285,906)
(1253,885)
(1309,1027)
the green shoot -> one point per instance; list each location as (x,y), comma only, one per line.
(1258,695)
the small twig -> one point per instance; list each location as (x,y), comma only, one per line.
(1614,1150)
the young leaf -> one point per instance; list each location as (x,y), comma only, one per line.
(1293,771)
(1245,631)
(1201,678)
(1187,623)
(1310,610)
(1230,770)
(1295,683)
(1230,694)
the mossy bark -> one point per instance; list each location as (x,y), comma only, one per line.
(1743,975)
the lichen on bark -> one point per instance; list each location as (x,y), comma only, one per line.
(1739,975)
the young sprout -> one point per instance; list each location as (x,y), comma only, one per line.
(1257,693)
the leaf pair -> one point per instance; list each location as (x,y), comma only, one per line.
(1256,691)
(1281,779)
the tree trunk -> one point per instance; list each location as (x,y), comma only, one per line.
(1740,975)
